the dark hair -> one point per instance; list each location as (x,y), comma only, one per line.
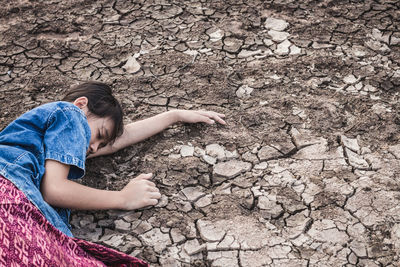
(101,103)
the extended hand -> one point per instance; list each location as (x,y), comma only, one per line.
(139,193)
(194,116)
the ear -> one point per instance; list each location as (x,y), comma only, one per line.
(81,102)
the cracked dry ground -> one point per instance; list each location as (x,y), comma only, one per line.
(306,171)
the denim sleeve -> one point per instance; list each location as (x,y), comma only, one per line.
(67,139)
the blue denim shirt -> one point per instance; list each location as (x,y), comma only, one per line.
(57,131)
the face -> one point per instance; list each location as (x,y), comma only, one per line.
(100,128)
(100,132)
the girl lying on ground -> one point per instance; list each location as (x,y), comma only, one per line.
(44,150)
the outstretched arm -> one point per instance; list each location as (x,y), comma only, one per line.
(58,191)
(143,129)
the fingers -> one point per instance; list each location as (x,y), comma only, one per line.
(139,192)
(151,202)
(146,176)
(207,120)
(144,179)
(151,198)
(219,120)
(211,113)
(152,188)
(154,195)
(213,116)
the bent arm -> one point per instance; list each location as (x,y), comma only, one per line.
(58,191)
(140,130)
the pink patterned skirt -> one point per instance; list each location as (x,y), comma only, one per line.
(28,239)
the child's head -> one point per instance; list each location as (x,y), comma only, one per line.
(101,103)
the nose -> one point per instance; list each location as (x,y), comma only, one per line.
(94,147)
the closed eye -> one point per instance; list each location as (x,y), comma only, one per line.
(101,137)
(102,145)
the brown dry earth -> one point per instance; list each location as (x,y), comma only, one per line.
(306,173)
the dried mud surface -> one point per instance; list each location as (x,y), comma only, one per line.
(306,173)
